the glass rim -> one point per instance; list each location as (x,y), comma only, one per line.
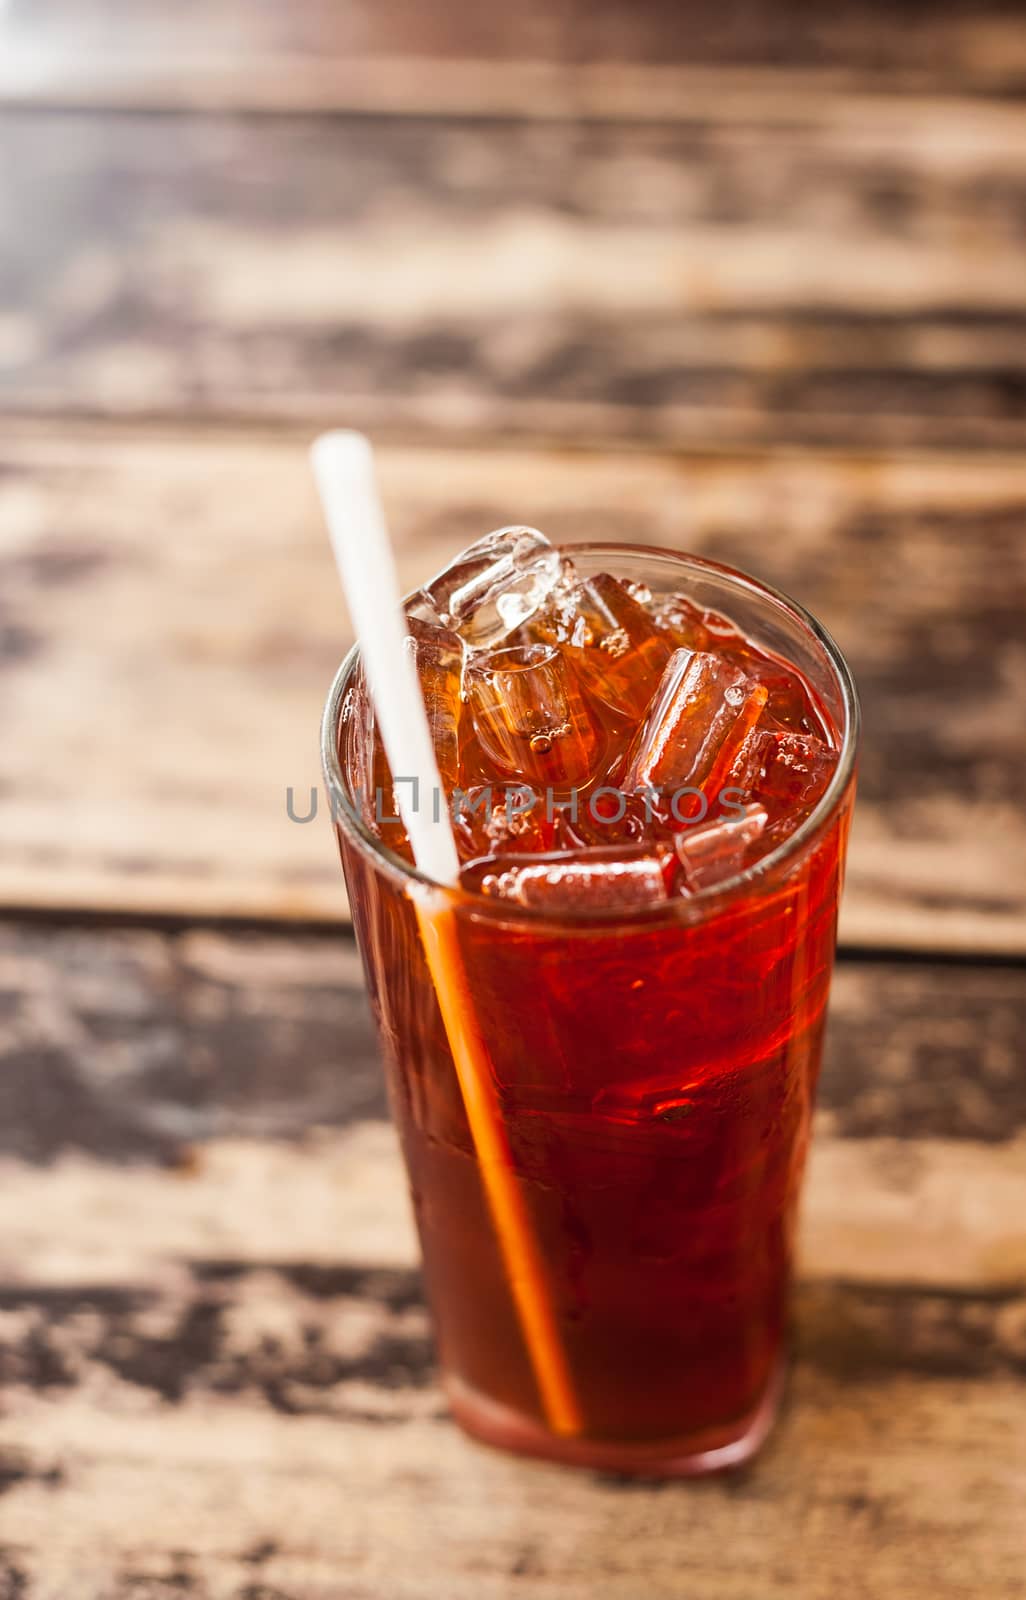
(762,874)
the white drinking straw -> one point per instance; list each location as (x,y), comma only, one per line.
(343,465)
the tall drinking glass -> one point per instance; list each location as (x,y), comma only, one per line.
(655,1073)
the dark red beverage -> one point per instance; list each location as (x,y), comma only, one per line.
(648,949)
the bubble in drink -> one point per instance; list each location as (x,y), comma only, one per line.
(615,879)
(492,589)
(531,719)
(696,706)
(717,850)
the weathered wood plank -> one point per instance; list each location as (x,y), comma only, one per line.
(169,1410)
(938,1215)
(898,1487)
(934,1214)
(199,1369)
(838,277)
(533,57)
(214,1092)
(135,1045)
(171,622)
(204,1356)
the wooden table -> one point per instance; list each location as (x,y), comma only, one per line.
(743,279)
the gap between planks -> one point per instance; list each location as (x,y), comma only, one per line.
(851,951)
(51,435)
(906,558)
(516,91)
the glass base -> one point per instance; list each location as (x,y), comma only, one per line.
(682,1456)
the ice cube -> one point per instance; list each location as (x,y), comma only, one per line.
(784,770)
(795,770)
(532,720)
(693,628)
(744,725)
(749,759)
(715,851)
(600,880)
(723,633)
(682,620)
(617,648)
(493,587)
(438,658)
(606,816)
(788,703)
(696,707)
(497,819)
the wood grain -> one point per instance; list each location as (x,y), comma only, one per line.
(604,57)
(220,1095)
(216,1364)
(117,1495)
(764,263)
(171,622)
(830,278)
(934,1215)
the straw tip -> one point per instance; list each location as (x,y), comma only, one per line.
(341,450)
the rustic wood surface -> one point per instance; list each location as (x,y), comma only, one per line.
(740,277)
(217,1374)
(833,277)
(538,57)
(183,720)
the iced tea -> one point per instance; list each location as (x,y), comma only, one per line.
(648,762)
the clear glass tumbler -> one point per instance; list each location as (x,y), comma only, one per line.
(655,1074)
